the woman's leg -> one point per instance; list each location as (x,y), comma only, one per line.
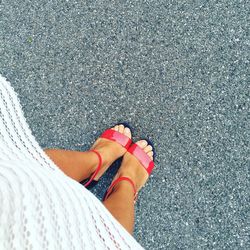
(80,165)
(77,165)
(120,203)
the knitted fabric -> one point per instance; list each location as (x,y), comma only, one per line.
(41,207)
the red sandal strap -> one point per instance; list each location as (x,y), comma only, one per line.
(123,178)
(144,159)
(117,137)
(97,169)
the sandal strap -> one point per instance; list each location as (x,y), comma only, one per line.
(118,137)
(97,169)
(144,159)
(123,178)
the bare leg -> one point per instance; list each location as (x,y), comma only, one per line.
(80,165)
(77,165)
(120,203)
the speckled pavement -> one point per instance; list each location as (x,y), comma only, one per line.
(177,72)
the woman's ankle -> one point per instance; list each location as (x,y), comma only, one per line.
(90,161)
(124,187)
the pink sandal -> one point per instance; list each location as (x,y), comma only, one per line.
(145,161)
(112,135)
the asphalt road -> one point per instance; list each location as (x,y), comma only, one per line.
(177,72)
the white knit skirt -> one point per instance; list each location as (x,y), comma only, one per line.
(41,207)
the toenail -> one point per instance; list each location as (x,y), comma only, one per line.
(127,130)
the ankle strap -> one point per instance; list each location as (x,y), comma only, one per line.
(123,178)
(97,169)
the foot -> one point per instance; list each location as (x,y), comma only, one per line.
(133,169)
(110,150)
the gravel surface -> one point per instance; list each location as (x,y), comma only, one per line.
(177,72)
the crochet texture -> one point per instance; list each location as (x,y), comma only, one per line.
(41,207)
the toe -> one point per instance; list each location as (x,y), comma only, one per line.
(121,128)
(148,149)
(142,143)
(116,128)
(127,132)
(150,154)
